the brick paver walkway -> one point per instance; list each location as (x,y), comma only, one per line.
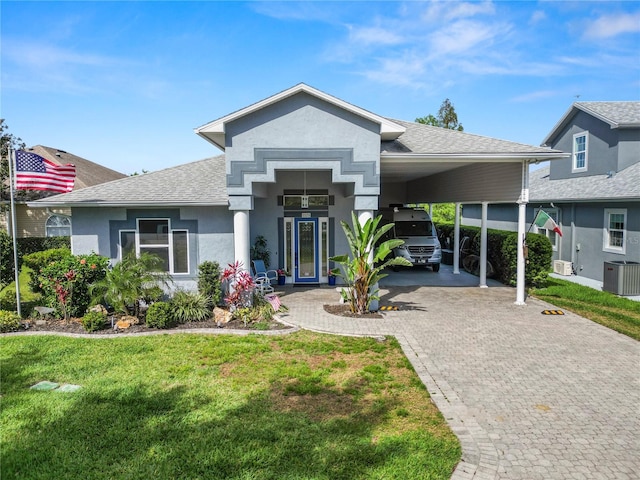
(530,396)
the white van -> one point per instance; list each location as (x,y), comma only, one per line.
(421,245)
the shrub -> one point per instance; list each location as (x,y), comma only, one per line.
(188,306)
(129,281)
(9,321)
(160,315)
(538,261)
(8,298)
(7,271)
(37,261)
(65,283)
(93,321)
(209,281)
(240,286)
(29,245)
(502,252)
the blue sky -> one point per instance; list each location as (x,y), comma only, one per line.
(125,83)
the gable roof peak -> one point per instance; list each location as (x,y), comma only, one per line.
(616,114)
(214,132)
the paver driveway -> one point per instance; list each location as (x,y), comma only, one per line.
(530,396)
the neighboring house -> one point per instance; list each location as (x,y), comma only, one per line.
(594,195)
(294,166)
(51,222)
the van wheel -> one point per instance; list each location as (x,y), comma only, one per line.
(436,267)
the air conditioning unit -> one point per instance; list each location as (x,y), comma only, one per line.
(562,267)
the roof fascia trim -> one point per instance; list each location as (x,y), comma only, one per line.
(126,204)
(481,157)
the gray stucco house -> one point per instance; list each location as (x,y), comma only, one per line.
(594,194)
(294,165)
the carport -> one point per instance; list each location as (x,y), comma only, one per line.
(436,165)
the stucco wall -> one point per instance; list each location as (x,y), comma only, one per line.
(210,233)
(628,148)
(602,150)
(303,132)
(264,217)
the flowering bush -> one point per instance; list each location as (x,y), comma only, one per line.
(239,285)
(65,282)
(282,272)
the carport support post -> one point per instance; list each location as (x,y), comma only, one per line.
(483,246)
(522,214)
(520,277)
(456,241)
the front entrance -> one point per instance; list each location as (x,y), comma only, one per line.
(306,248)
(305,268)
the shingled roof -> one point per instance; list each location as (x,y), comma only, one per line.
(622,185)
(429,140)
(87,173)
(197,183)
(615,114)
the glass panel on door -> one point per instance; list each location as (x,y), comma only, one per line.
(306,250)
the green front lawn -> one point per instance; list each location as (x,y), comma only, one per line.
(300,406)
(618,313)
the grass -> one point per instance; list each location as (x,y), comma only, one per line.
(300,406)
(618,313)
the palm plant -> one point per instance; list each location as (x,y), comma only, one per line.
(364,268)
(131,280)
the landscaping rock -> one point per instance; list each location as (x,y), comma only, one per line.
(126,322)
(221,316)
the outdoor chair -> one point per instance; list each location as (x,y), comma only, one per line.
(263,277)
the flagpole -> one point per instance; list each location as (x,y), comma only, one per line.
(14,228)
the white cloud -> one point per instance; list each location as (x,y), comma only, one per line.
(42,56)
(464,36)
(407,71)
(537,17)
(374,36)
(534,96)
(613,25)
(447,11)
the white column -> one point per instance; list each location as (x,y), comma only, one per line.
(522,214)
(456,241)
(242,238)
(364,215)
(483,246)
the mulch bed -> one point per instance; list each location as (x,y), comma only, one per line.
(343,310)
(74,326)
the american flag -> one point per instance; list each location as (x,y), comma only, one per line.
(36,173)
(274,300)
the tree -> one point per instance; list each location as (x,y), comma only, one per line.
(131,280)
(447,117)
(363,269)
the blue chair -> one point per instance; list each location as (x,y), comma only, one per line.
(263,277)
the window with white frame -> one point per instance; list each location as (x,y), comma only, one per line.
(580,151)
(155,236)
(615,234)
(550,234)
(58,226)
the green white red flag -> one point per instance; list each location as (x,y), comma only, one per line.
(544,220)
